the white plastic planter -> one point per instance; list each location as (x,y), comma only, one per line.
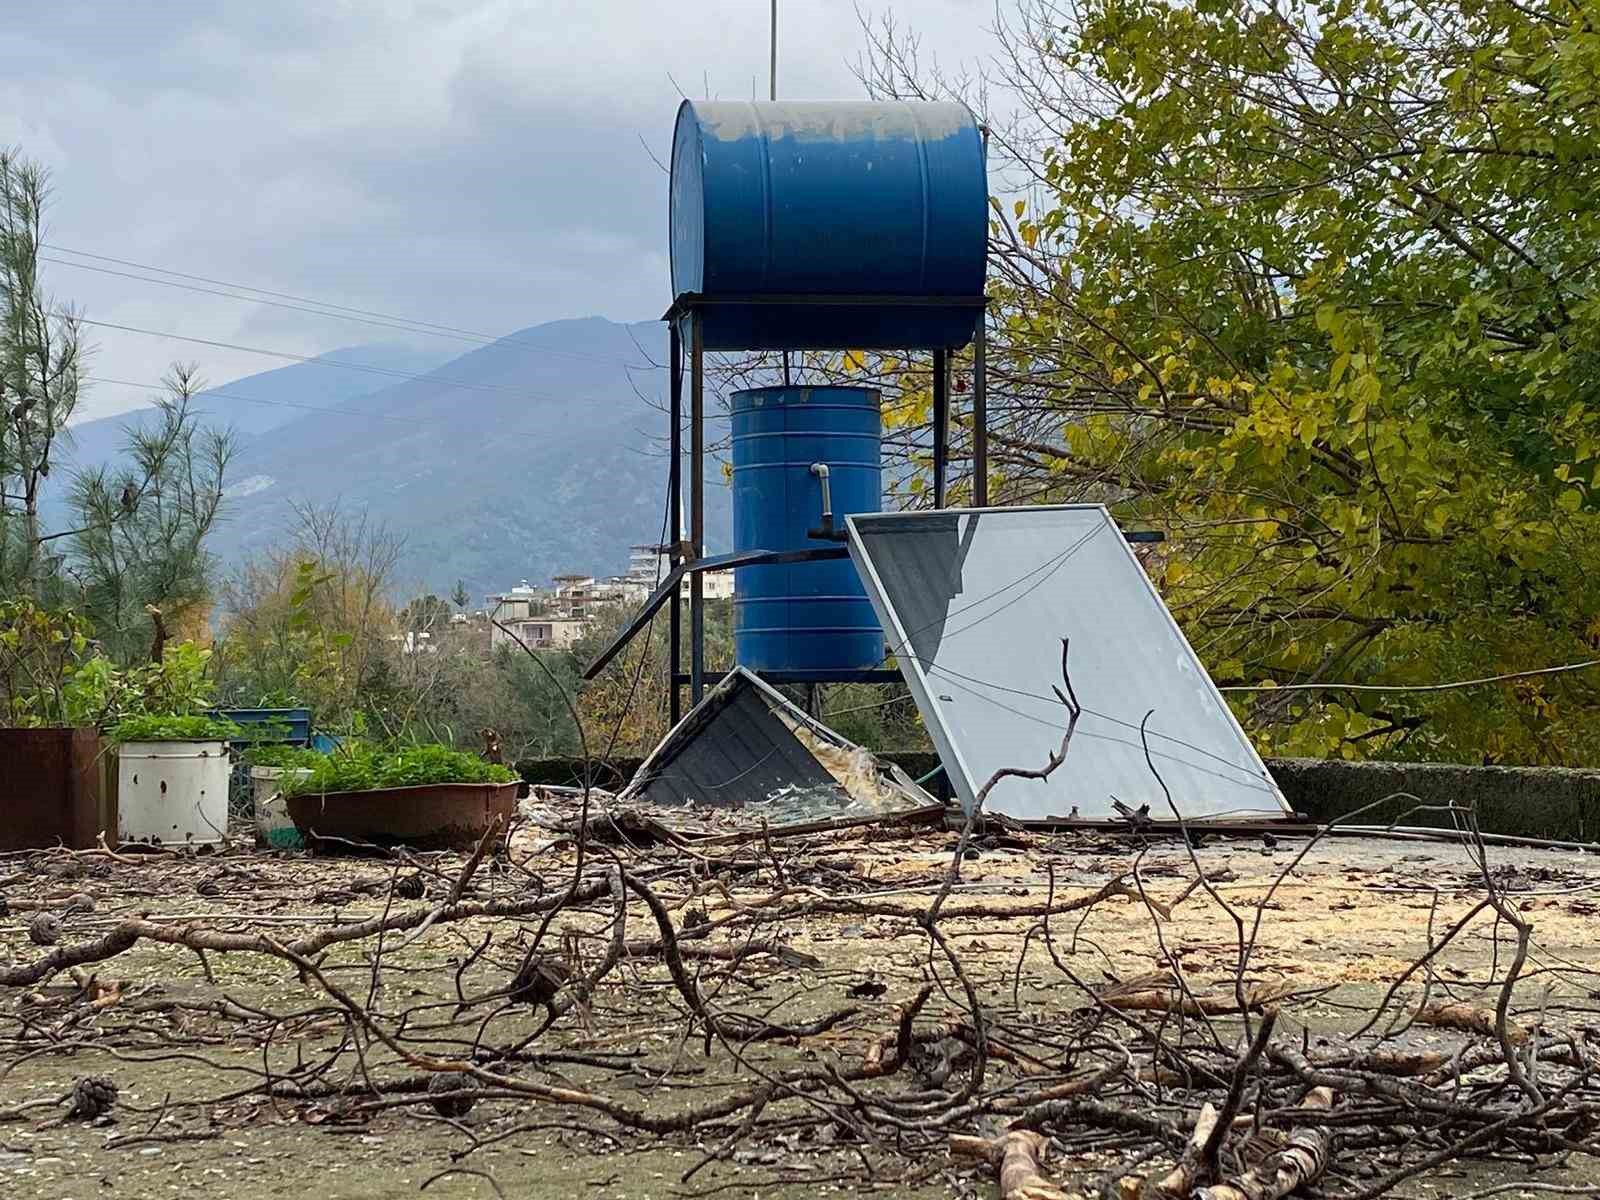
(274,827)
(172,793)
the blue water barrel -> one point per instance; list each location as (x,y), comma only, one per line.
(811,616)
(830,198)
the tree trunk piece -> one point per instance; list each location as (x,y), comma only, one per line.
(1177,1183)
(1468,1019)
(1302,1161)
(1018,1159)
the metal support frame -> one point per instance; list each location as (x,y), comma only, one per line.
(674,518)
(687,556)
(866,675)
(697,507)
(980,413)
(688,553)
(941,425)
(673,583)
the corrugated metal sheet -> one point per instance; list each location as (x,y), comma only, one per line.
(732,750)
(974,603)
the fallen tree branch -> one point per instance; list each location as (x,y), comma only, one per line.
(1177,1183)
(1467,1018)
(1301,1162)
(1018,1159)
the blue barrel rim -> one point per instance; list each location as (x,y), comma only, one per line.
(807,389)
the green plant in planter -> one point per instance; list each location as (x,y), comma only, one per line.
(153,727)
(362,770)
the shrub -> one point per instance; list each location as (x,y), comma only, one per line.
(363,770)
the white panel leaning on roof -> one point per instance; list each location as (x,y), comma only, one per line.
(974,605)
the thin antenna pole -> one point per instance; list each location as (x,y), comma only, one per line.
(772,94)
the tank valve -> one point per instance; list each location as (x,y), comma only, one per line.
(825,532)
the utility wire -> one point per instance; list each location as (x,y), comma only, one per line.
(321,308)
(387,372)
(1563,669)
(337,412)
(839,712)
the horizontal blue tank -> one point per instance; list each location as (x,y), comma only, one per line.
(830,198)
(809,616)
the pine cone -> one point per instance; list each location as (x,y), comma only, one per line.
(5,906)
(78,902)
(447,1105)
(44,929)
(410,887)
(92,1096)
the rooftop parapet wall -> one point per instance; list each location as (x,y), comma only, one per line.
(1536,802)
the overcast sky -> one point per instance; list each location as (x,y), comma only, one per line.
(476,163)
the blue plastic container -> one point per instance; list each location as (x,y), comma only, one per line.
(830,198)
(295,724)
(809,617)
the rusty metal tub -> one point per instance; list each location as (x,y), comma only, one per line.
(50,788)
(440,816)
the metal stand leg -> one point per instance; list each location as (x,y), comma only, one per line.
(697,508)
(675,518)
(980,413)
(941,424)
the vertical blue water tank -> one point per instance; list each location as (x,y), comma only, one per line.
(811,616)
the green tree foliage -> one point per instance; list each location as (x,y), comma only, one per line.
(52,673)
(426,614)
(141,525)
(1313,286)
(135,531)
(309,622)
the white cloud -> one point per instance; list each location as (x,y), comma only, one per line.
(480,163)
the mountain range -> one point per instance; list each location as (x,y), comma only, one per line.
(539,453)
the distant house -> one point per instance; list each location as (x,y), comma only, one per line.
(413,642)
(538,633)
(648,565)
(717,585)
(555,617)
(519,604)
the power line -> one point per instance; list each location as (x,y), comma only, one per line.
(321,307)
(1251,778)
(305,308)
(1454,685)
(326,362)
(337,412)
